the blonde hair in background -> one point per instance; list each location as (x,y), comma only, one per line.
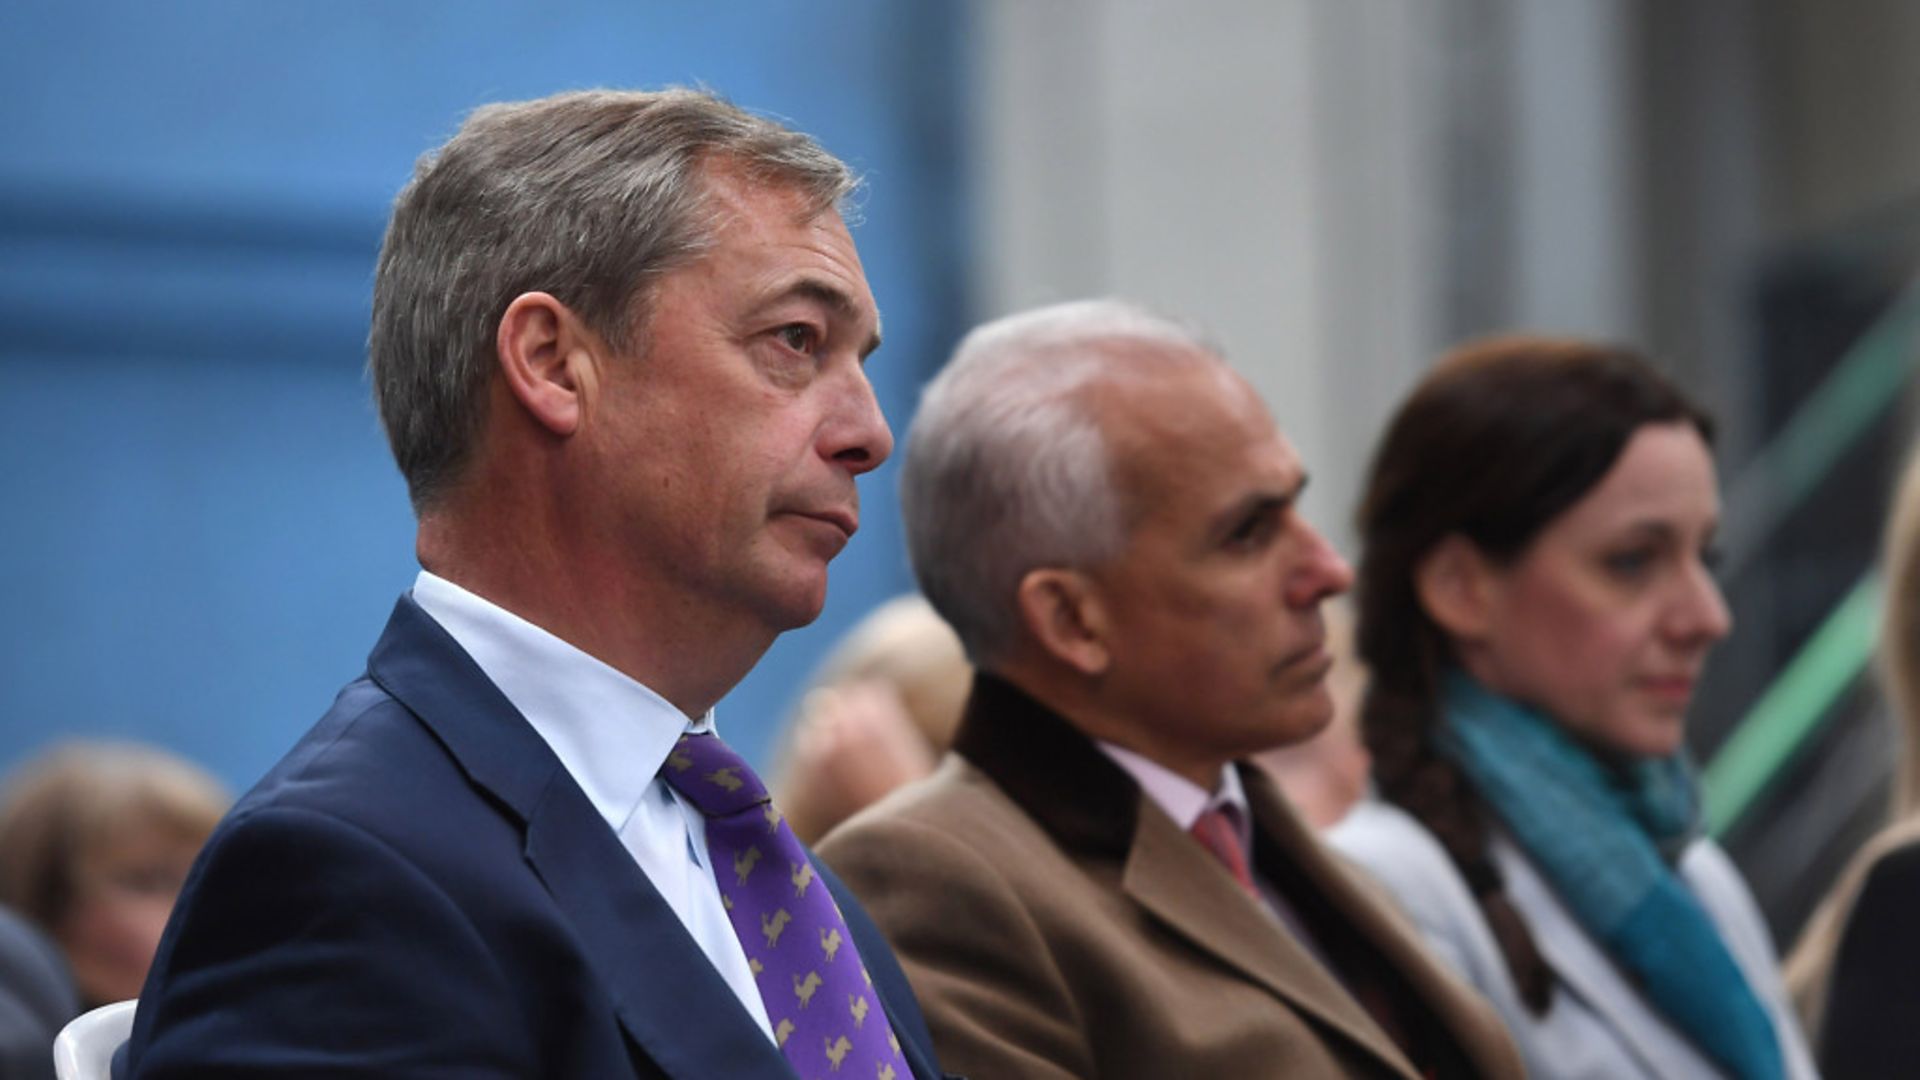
(905,643)
(1900,629)
(76,798)
(878,713)
(1810,964)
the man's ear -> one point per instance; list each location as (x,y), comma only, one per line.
(547,359)
(1455,582)
(1062,610)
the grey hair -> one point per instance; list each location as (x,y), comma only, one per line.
(588,196)
(1007,469)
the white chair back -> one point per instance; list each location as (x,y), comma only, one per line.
(84,1048)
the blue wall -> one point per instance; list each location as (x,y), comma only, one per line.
(202,530)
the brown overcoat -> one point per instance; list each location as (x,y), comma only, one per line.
(1056,924)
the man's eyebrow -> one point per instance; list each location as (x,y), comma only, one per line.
(839,300)
(1261,502)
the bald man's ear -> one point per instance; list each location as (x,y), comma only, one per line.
(1062,610)
(1455,582)
(547,358)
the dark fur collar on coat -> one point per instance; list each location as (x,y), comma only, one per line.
(1055,773)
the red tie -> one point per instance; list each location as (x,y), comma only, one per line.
(1217,831)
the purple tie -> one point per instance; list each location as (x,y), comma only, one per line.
(818,994)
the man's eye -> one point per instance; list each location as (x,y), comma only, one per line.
(1253,531)
(799,337)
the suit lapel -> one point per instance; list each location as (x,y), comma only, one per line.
(1462,1019)
(1175,879)
(889,980)
(1092,808)
(667,995)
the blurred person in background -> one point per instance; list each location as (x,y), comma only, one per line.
(95,841)
(1856,972)
(879,712)
(1535,604)
(1327,774)
(1095,883)
(36,999)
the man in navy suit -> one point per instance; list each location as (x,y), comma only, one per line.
(617,347)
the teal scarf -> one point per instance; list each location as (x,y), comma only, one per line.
(1607,839)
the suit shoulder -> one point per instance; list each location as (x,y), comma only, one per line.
(301,936)
(366,749)
(373,767)
(949,817)
(952,840)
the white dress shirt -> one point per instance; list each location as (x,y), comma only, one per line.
(1182,799)
(612,734)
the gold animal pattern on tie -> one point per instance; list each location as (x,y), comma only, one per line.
(848,1046)
(774,925)
(744,864)
(804,988)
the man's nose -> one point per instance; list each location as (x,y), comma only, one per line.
(858,436)
(1320,573)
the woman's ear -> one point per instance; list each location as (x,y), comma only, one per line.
(1061,609)
(1455,582)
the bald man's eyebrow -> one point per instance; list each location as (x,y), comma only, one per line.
(1257,511)
(839,302)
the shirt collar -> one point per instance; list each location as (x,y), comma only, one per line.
(1182,799)
(610,732)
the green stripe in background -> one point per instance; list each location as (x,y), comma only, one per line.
(1782,719)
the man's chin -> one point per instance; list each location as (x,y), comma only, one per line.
(797,602)
(1302,720)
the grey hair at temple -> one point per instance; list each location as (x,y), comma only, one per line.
(588,196)
(1007,469)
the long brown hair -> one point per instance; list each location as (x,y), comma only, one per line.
(1500,438)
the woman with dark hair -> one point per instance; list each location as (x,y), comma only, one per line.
(1535,605)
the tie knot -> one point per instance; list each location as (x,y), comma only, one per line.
(712,777)
(1218,830)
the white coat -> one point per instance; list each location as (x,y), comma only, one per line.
(1599,1026)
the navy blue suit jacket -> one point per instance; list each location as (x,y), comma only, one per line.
(420,888)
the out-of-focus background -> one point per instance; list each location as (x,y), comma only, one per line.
(203,532)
